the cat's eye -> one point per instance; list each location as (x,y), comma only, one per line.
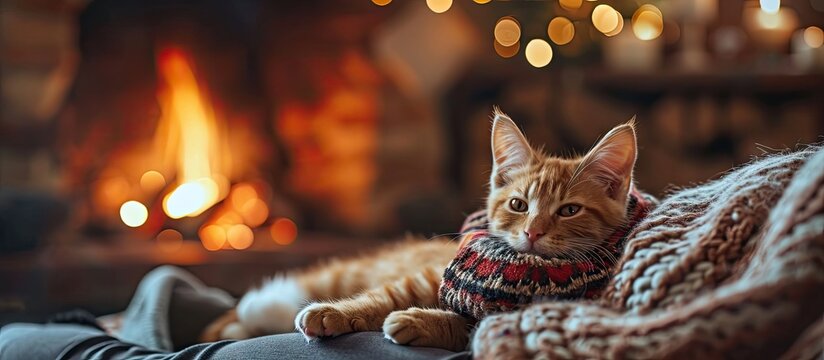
(517,205)
(569,210)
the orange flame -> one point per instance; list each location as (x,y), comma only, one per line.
(189,138)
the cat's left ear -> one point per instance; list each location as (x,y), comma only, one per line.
(510,149)
(611,161)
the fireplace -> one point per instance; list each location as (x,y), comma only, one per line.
(197,173)
(192,122)
(234,138)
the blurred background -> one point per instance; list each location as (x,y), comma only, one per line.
(240,138)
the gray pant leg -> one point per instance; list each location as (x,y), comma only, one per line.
(355,346)
(37,341)
(62,341)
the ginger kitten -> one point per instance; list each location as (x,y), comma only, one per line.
(539,203)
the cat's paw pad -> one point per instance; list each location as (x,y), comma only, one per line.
(318,320)
(406,328)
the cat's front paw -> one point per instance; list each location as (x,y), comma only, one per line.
(318,320)
(426,327)
(407,327)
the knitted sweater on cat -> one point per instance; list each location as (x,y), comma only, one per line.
(488,276)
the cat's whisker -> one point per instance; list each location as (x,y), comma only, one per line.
(596,255)
(579,257)
(593,250)
(451,236)
(596,250)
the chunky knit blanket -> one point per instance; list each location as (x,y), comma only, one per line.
(733,268)
(487,276)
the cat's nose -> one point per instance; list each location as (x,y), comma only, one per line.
(533,235)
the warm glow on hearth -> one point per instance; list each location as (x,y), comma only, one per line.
(169,240)
(254,212)
(284,231)
(241,194)
(240,236)
(212,237)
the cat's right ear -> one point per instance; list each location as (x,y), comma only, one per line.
(510,148)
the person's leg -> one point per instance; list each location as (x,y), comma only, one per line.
(66,341)
(38,341)
(354,346)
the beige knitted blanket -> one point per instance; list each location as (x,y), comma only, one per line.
(730,269)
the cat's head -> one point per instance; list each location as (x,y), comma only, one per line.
(556,206)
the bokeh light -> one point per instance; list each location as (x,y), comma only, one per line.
(254,212)
(561,30)
(770,6)
(213,237)
(228,217)
(506,51)
(482,1)
(133,213)
(570,4)
(111,192)
(152,181)
(169,240)
(507,31)
(240,236)
(283,231)
(381,2)
(814,37)
(538,53)
(618,28)
(647,22)
(607,20)
(439,6)
(241,194)
(223,185)
(191,198)
(758,20)
(672,32)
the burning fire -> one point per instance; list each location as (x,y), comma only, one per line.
(191,164)
(189,130)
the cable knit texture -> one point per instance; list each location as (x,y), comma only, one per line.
(733,268)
